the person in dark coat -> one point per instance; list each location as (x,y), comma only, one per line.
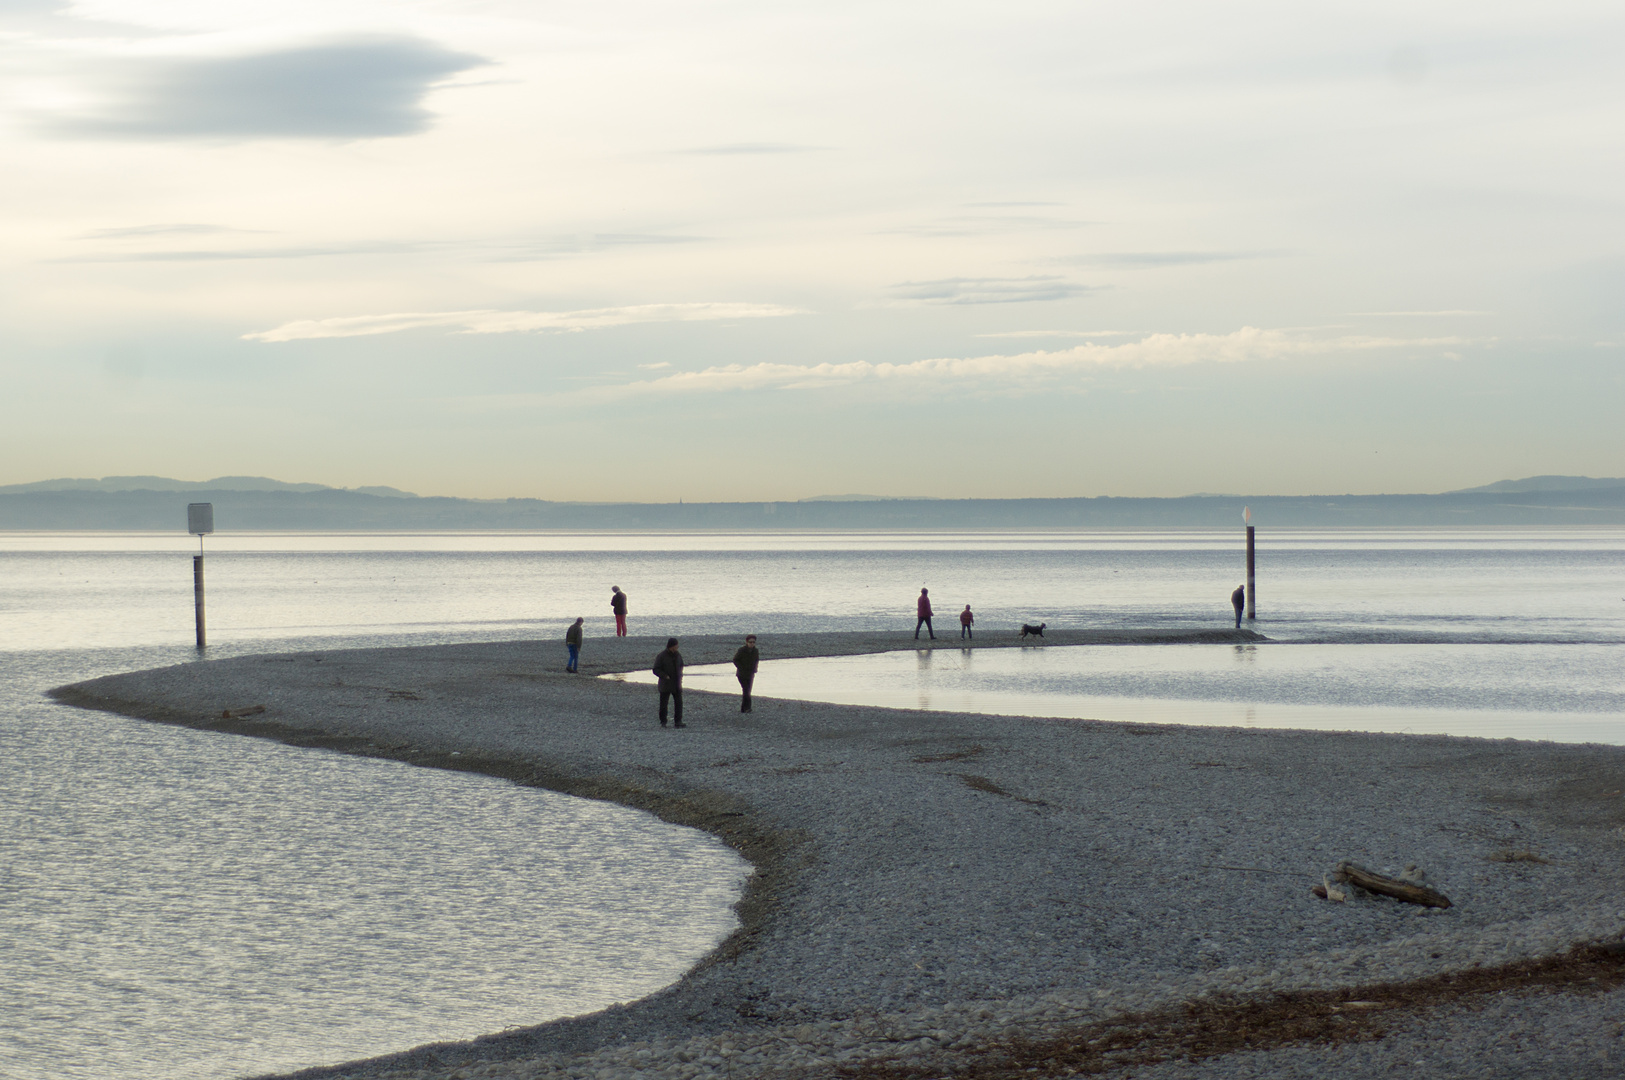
(745,663)
(572,641)
(617,604)
(1238,600)
(669,673)
(965,620)
(923,610)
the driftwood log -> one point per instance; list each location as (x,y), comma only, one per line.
(1408,891)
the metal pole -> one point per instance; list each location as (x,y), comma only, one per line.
(197,592)
(1252,582)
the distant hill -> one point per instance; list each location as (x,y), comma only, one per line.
(163,483)
(867,498)
(272,506)
(1546,483)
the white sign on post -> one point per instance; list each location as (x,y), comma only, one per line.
(200,518)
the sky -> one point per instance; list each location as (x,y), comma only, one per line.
(630,250)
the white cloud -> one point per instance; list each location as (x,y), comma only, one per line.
(142,232)
(1007,371)
(511,322)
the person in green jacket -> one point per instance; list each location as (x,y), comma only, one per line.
(572,641)
(745,663)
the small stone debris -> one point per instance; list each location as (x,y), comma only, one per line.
(1511,855)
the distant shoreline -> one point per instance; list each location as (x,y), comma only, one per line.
(978,877)
(335,509)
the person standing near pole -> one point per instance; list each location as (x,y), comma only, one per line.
(965,620)
(617,604)
(669,675)
(1238,600)
(923,611)
(572,641)
(746,661)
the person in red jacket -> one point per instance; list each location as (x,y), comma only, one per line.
(965,620)
(923,609)
(617,604)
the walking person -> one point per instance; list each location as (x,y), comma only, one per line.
(572,641)
(923,610)
(745,663)
(617,604)
(669,673)
(1238,600)
(965,620)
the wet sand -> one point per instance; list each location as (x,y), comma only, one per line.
(931,886)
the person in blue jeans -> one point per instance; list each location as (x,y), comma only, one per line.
(572,641)
(965,621)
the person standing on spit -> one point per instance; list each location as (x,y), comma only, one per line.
(745,663)
(923,610)
(965,620)
(1238,600)
(617,604)
(669,671)
(572,641)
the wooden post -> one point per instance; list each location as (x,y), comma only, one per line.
(197,594)
(1252,581)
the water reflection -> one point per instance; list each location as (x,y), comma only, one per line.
(1567,693)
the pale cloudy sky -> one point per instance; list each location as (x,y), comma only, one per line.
(639,250)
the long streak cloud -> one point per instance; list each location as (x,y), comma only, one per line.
(512,322)
(1154,350)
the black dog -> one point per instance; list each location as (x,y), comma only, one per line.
(1036,631)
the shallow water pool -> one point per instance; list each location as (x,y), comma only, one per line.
(1563,693)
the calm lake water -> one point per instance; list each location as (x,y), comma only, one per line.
(178,903)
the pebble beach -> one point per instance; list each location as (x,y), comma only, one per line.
(942,894)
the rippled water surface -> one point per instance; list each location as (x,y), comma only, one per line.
(177,903)
(181,903)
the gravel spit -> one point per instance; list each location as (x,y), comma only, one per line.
(930,884)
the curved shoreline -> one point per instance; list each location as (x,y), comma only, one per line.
(918,870)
